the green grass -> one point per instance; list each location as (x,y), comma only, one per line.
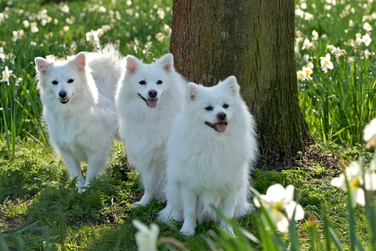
(38,194)
(40,208)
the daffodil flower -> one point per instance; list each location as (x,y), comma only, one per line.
(93,38)
(306,44)
(300,75)
(369,134)
(315,35)
(367,26)
(146,238)
(358,179)
(326,63)
(307,71)
(366,39)
(34,27)
(280,205)
(6,74)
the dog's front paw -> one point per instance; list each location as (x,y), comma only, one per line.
(187,230)
(228,229)
(138,204)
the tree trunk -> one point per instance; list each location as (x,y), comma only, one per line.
(254,41)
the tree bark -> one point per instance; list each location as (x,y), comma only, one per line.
(254,41)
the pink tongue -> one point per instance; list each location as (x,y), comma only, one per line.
(152,103)
(221,127)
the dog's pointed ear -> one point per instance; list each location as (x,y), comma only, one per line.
(232,85)
(79,60)
(167,62)
(42,65)
(191,91)
(132,64)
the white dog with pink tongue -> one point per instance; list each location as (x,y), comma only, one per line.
(209,156)
(148,99)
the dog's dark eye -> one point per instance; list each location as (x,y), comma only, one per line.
(142,82)
(209,108)
(159,82)
(70,80)
(55,82)
(225,106)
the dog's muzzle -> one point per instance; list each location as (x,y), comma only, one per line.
(152,103)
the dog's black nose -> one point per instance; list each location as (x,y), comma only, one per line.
(152,93)
(63,94)
(221,116)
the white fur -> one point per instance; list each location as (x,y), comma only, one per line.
(145,130)
(84,127)
(206,167)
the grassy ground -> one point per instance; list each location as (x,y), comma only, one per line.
(40,206)
(36,192)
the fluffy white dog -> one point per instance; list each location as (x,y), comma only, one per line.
(209,157)
(148,99)
(79,107)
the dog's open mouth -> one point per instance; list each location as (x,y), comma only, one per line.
(152,103)
(219,127)
(65,100)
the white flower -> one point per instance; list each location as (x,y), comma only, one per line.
(33,27)
(315,35)
(306,58)
(93,38)
(161,13)
(66,28)
(106,28)
(64,8)
(369,134)
(25,23)
(15,36)
(146,238)
(366,39)
(331,48)
(367,26)
(300,75)
(6,74)
(326,63)
(358,39)
(306,44)
(308,16)
(299,13)
(100,32)
(280,205)
(336,50)
(43,22)
(102,9)
(357,178)
(307,70)
(367,54)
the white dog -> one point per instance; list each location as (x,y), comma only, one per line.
(79,107)
(148,99)
(209,153)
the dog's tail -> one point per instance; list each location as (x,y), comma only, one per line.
(106,67)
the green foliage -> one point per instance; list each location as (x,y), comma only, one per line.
(339,103)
